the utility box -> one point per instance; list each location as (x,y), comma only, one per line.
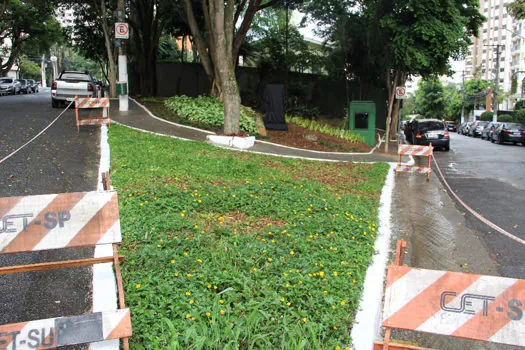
(122,88)
(362,120)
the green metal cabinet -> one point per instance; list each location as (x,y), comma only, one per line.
(362,120)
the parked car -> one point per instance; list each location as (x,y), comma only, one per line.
(476,128)
(25,86)
(461,127)
(466,128)
(426,131)
(18,87)
(509,132)
(6,86)
(451,127)
(70,84)
(33,84)
(488,130)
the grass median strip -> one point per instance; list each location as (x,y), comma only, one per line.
(235,250)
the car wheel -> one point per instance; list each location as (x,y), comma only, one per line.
(492,139)
(54,103)
(514,143)
(499,141)
(446,148)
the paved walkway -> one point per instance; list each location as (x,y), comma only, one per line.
(139,118)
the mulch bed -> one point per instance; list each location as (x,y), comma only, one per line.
(300,137)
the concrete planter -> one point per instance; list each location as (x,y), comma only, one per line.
(232,141)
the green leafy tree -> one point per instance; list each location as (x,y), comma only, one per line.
(26,26)
(453,102)
(517,9)
(277,42)
(29,69)
(476,91)
(226,24)
(430,98)
(409,106)
(406,38)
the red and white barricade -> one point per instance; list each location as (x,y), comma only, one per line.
(89,103)
(463,305)
(57,221)
(415,151)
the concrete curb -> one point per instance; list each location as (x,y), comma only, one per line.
(368,319)
(104,282)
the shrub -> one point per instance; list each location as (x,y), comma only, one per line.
(505,118)
(519,116)
(325,129)
(209,111)
(486,116)
(519,105)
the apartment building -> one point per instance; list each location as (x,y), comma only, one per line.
(501,38)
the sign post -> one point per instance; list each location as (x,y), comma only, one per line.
(122,32)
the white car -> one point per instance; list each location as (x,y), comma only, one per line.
(70,84)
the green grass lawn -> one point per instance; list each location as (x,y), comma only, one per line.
(232,250)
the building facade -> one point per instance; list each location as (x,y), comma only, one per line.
(498,54)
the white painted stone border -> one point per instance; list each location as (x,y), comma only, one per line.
(232,141)
(368,319)
(104,281)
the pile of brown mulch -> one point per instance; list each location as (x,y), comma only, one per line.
(300,137)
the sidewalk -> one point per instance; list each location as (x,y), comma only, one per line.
(137,117)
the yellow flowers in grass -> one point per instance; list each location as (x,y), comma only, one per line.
(137,286)
(222,312)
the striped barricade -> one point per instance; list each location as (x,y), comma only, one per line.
(92,102)
(54,332)
(415,151)
(463,305)
(56,221)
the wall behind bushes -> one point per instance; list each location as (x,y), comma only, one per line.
(330,97)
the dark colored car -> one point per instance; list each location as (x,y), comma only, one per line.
(451,127)
(33,84)
(509,132)
(25,86)
(426,131)
(476,128)
(489,129)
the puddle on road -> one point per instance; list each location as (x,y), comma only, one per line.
(437,239)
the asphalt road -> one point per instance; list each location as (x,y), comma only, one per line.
(491,180)
(60,160)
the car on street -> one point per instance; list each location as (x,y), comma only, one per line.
(466,128)
(33,84)
(461,127)
(25,86)
(426,131)
(488,130)
(509,132)
(476,128)
(8,86)
(70,84)
(451,127)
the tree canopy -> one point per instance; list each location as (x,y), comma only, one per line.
(26,25)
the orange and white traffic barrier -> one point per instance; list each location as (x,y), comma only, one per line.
(58,221)
(61,331)
(419,151)
(457,304)
(92,102)
(412,150)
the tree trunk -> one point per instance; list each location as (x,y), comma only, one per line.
(112,71)
(392,91)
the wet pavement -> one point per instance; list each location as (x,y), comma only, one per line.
(61,160)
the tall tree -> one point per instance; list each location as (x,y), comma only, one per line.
(402,37)
(517,9)
(148,20)
(430,98)
(226,23)
(93,33)
(26,25)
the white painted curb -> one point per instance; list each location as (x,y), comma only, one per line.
(104,281)
(232,141)
(368,319)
